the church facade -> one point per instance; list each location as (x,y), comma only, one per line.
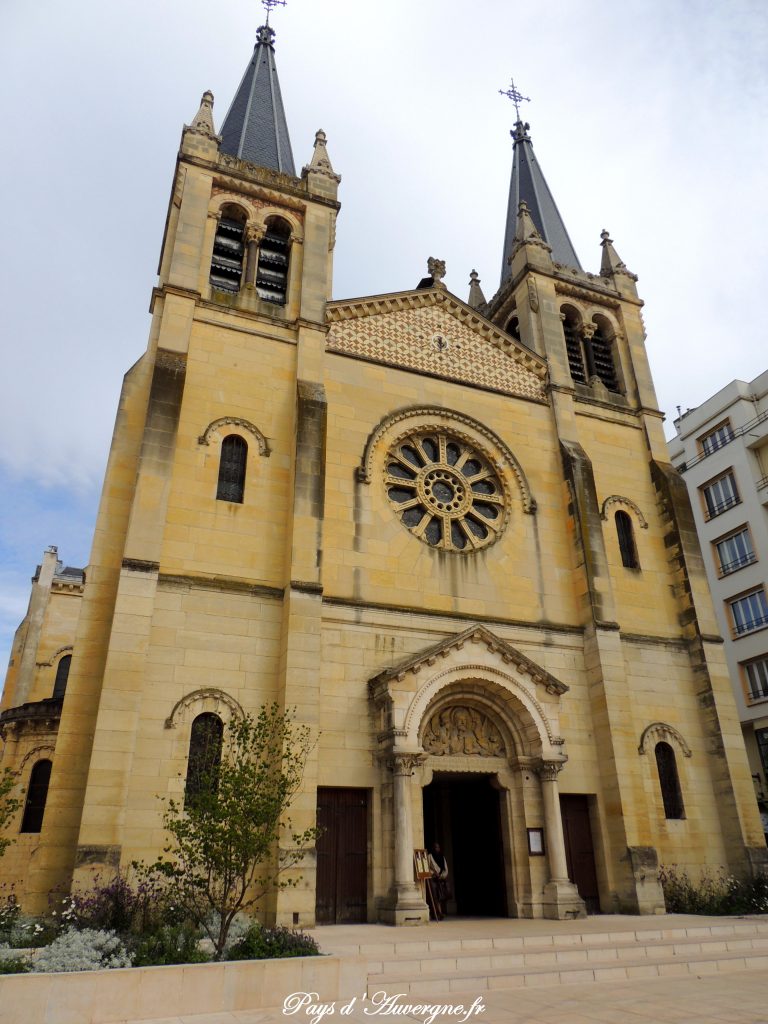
(446,533)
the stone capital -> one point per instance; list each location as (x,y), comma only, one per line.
(405,764)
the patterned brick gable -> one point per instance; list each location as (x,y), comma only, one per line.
(431,332)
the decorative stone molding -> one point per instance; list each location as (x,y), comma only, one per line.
(236,421)
(209,699)
(36,753)
(659,732)
(462,729)
(533,295)
(619,499)
(586,295)
(432,417)
(53,657)
(404,764)
(171,361)
(549,770)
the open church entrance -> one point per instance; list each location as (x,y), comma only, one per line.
(463,814)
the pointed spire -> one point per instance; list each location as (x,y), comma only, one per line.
(476,298)
(611,263)
(203,120)
(255,128)
(321,162)
(529,185)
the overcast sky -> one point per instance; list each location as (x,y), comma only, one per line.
(647,117)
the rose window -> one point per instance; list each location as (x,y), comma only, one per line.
(445,492)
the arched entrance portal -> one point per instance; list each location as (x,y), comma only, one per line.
(462,812)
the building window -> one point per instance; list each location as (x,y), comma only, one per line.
(669,781)
(735,551)
(272,267)
(62,674)
(757,677)
(228,249)
(761,736)
(234,453)
(513,327)
(749,612)
(204,757)
(717,438)
(626,537)
(720,495)
(37,794)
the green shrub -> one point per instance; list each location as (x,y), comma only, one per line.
(265,943)
(169,944)
(713,893)
(12,963)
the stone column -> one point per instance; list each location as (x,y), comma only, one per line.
(252,238)
(586,331)
(561,897)
(405,905)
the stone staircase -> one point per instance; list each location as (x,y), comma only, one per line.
(441,963)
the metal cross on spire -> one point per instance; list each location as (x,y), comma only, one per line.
(269,4)
(516,96)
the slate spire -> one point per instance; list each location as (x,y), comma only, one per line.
(255,128)
(528,185)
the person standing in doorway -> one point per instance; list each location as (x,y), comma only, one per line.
(439,881)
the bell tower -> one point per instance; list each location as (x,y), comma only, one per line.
(210,518)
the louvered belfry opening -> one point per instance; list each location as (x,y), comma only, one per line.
(602,353)
(272,268)
(228,250)
(573,347)
(234,453)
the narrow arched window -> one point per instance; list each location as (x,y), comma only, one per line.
(669,781)
(234,454)
(272,268)
(602,357)
(573,346)
(513,327)
(37,794)
(228,249)
(626,537)
(204,757)
(62,674)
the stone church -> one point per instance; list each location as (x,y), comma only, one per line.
(446,532)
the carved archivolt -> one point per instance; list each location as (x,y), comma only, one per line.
(36,753)
(658,732)
(619,499)
(432,417)
(208,699)
(236,421)
(461,729)
(54,656)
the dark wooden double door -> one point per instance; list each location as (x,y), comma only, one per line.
(342,856)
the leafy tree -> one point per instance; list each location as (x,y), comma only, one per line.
(221,857)
(9,805)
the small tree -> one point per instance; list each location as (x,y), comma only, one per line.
(9,805)
(222,853)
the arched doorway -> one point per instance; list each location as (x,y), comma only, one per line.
(462,812)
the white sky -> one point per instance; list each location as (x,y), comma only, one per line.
(647,118)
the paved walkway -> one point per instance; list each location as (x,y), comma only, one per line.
(737,998)
(727,997)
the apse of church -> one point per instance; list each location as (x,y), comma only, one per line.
(447,533)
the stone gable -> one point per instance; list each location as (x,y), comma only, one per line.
(433,339)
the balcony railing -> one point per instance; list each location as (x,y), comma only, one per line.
(715,508)
(737,563)
(739,432)
(748,625)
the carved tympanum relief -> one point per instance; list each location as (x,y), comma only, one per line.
(462,730)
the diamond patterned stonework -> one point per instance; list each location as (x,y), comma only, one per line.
(433,341)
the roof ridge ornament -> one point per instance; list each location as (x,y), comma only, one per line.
(611,262)
(268,5)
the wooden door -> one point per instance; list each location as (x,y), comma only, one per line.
(342,856)
(579,850)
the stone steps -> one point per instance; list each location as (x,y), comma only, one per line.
(439,966)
